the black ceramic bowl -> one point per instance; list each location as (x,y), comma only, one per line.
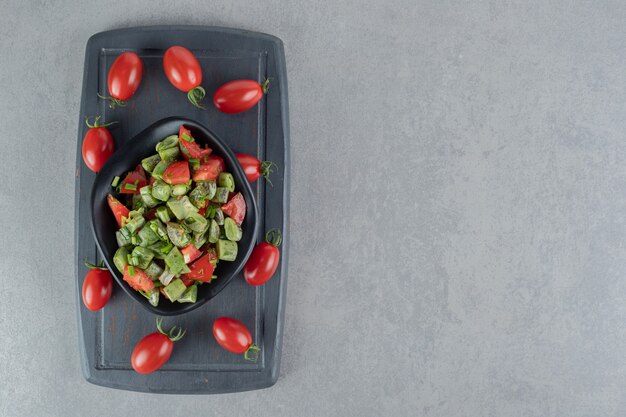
(126,159)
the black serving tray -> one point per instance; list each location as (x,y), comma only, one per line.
(107,337)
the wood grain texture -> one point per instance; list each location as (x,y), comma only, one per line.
(107,337)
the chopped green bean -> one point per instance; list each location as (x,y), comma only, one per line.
(175,261)
(161,190)
(208,187)
(196,222)
(226,180)
(152,296)
(146,196)
(120,259)
(115,182)
(159,169)
(169,154)
(121,240)
(178,235)
(164,214)
(199,239)
(153,270)
(150,162)
(181,207)
(141,257)
(169,142)
(219,216)
(190,295)
(221,195)
(180,189)
(147,236)
(232,230)
(158,228)
(134,223)
(226,250)
(175,289)
(214,231)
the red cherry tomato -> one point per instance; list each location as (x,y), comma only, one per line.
(177,173)
(97,287)
(239,95)
(235,208)
(184,72)
(155,349)
(119,210)
(264,259)
(98,145)
(124,78)
(209,169)
(255,168)
(235,337)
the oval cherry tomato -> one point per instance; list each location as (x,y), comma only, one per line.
(255,168)
(155,349)
(235,337)
(97,287)
(184,72)
(98,145)
(239,95)
(124,78)
(264,259)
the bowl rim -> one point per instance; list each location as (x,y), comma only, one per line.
(245,188)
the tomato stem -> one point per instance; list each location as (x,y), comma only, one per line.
(96,123)
(265,85)
(173,337)
(113,101)
(92,266)
(274,237)
(252,353)
(267,167)
(195,95)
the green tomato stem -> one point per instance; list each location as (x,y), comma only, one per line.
(195,95)
(113,102)
(274,237)
(92,266)
(252,353)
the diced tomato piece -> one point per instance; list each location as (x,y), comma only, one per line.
(186,280)
(189,146)
(138,280)
(209,169)
(235,208)
(202,210)
(119,210)
(202,269)
(135,180)
(190,253)
(151,214)
(177,173)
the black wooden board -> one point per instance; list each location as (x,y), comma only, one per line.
(107,337)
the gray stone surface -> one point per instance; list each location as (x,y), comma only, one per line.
(458,208)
